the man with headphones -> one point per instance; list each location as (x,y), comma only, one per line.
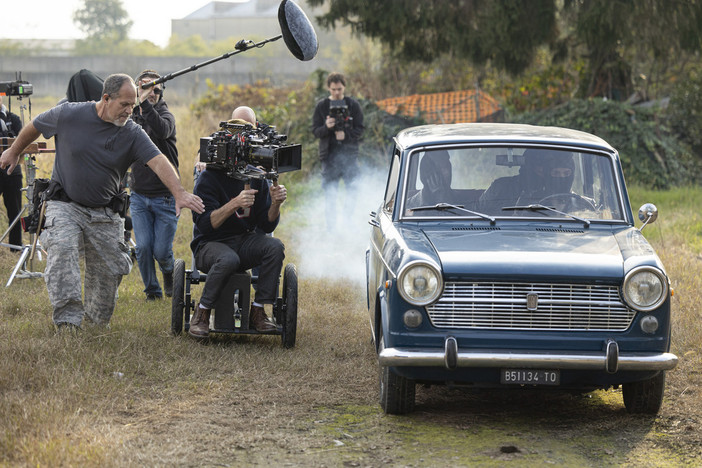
(152,206)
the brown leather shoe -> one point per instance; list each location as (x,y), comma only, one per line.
(260,321)
(200,323)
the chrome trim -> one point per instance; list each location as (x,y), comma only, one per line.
(439,279)
(451,352)
(382,259)
(504,306)
(661,277)
(402,357)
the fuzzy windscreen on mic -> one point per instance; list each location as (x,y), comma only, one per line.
(298,33)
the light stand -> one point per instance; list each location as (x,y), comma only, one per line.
(23,268)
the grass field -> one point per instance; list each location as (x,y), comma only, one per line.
(135,396)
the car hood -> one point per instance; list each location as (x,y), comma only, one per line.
(529,254)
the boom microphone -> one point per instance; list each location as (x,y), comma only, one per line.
(297,30)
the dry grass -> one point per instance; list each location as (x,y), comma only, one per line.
(136,396)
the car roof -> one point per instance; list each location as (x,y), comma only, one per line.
(430,135)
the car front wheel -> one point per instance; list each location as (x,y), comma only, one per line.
(645,396)
(396,392)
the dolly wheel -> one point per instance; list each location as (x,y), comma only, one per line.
(289,306)
(178,300)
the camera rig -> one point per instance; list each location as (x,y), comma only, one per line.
(16,88)
(247,152)
(340,112)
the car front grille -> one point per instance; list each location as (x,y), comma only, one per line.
(578,307)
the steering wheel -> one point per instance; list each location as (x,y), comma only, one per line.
(569,202)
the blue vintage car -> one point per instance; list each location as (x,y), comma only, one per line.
(506,255)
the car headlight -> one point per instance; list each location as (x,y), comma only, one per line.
(645,288)
(420,283)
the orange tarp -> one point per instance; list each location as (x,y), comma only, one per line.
(450,107)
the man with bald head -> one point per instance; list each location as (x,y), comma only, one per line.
(230,236)
(95,145)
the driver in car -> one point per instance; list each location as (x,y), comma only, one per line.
(543,174)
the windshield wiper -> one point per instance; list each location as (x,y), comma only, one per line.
(447,206)
(539,207)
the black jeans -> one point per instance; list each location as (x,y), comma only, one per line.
(219,260)
(11,190)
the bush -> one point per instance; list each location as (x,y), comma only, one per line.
(650,152)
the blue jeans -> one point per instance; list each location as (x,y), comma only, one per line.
(155,222)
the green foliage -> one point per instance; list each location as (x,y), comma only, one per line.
(650,153)
(685,109)
(545,88)
(103,20)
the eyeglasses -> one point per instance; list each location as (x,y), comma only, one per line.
(158,91)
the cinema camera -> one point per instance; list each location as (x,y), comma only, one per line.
(15,88)
(240,149)
(340,112)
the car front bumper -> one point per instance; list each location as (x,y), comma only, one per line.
(609,360)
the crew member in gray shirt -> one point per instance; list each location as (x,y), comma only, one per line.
(95,145)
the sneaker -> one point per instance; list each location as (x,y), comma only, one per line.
(168,284)
(200,323)
(153,297)
(260,321)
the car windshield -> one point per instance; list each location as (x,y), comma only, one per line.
(494,182)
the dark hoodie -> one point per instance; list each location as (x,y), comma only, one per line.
(159,124)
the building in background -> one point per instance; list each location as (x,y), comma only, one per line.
(452,107)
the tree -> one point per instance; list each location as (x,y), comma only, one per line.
(103,20)
(504,32)
(625,45)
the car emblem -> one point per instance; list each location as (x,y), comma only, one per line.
(532,301)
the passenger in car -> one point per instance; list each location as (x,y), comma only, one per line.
(435,173)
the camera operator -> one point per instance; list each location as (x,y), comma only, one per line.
(11,184)
(338,144)
(230,235)
(95,145)
(152,206)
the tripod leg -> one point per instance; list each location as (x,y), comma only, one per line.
(20,262)
(15,221)
(36,236)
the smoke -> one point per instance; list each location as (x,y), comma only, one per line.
(339,253)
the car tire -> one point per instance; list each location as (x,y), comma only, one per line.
(178,299)
(645,396)
(289,306)
(397,393)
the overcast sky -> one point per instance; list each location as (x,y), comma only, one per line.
(53,19)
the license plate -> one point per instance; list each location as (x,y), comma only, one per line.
(530,376)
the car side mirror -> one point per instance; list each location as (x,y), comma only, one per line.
(648,214)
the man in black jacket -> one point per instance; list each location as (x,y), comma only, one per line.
(152,208)
(11,184)
(338,123)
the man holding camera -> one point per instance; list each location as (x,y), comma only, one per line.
(230,235)
(338,123)
(152,205)
(11,184)
(95,145)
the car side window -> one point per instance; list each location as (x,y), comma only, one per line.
(393,178)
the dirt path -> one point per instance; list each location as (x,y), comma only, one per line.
(254,404)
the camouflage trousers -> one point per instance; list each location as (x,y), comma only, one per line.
(73,231)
